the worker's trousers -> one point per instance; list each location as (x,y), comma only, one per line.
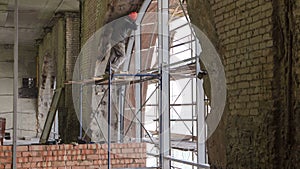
(117,55)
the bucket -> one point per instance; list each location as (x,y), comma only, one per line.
(2,129)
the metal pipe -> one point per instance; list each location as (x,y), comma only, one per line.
(138,87)
(80,113)
(15,97)
(173,54)
(176,40)
(179,119)
(147,132)
(181,161)
(109,117)
(164,102)
(131,121)
(199,165)
(181,104)
(138,75)
(200,114)
(181,26)
(172,64)
(180,44)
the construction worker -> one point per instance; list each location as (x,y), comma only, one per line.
(121,30)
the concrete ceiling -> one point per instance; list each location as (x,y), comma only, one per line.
(34,15)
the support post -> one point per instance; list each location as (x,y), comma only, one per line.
(121,93)
(80,112)
(200,112)
(164,95)
(138,86)
(15,97)
(109,118)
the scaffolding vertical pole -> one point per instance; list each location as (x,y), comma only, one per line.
(122,93)
(15,97)
(138,86)
(164,103)
(109,118)
(200,112)
(80,112)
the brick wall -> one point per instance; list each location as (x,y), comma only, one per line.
(47,67)
(58,52)
(254,40)
(74,157)
(69,120)
(296,82)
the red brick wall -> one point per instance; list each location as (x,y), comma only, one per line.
(84,156)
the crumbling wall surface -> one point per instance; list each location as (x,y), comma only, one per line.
(257,42)
(46,78)
(95,14)
(206,23)
(295,154)
(85,156)
(70,121)
(58,52)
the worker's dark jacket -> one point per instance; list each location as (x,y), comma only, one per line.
(122,28)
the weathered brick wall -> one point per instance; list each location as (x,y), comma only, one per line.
(296,81)
(92,14)
(253,39)
(71,121)
(89,17)
(58,52)
(47,70)
(286,84)
(84,156)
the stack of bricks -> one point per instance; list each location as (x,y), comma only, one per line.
(83,156)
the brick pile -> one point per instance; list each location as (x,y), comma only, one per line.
(85,156)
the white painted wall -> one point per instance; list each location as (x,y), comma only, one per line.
(26,107)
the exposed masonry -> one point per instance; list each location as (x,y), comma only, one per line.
(58,52)
(71,123)
(83,156)
(258,42)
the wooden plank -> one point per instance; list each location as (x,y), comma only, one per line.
(176,136)
(185,71)
(179,145)
(50,116)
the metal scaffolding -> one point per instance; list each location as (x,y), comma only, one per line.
(161,74)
